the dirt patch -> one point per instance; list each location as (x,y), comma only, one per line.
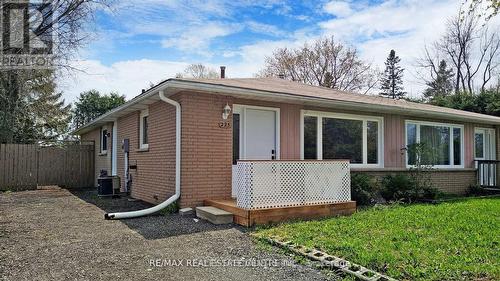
(60,235)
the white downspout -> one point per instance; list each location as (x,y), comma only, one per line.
(114,150)
(173,198)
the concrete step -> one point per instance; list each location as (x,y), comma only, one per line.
(214,215)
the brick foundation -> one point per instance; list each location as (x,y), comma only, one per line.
(448,181)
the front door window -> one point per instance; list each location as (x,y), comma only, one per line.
(484,144)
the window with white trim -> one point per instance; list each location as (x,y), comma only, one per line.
(143,129)
(104,141)
(479,145)
(342,136)
(484,144)
(441,145)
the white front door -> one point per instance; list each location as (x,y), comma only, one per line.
(255,135)
(260,134)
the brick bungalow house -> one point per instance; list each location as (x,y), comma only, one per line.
(228,121)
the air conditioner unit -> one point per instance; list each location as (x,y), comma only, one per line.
(108,186)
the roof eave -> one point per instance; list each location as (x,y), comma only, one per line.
(175,85)
(110,116)
(246,92)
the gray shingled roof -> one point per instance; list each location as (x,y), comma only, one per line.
(272,88)
(295,88)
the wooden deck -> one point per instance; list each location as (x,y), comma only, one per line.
(273,215)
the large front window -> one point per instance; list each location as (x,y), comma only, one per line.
(342,136)
(434,144)
(343,139)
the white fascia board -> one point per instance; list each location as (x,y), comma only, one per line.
(179,85)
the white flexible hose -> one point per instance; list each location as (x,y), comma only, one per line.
(173,198)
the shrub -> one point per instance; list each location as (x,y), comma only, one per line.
(363,189)
(476,190)
(432,193)
(396,187)
(408,188)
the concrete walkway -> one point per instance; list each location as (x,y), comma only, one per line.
(61,235)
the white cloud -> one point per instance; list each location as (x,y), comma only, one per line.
(125,77)
(263,28)
(405,26)
(198,38)
(338,8)
(375,29)
(190,26)
(253,55)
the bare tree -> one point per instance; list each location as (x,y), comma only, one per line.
(472,51)
(484,8)
(198,71)
(326,63)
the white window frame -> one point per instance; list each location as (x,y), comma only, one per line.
(319,138)
(438,124)
(491,149)
(142,145)
(483,132)
(103,150)
(241,110)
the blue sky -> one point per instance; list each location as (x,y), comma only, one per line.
(135,43)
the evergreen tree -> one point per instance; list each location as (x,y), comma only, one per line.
(91,104)
(31,108)
(442,84)
(392,81)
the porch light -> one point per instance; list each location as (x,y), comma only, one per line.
(226,111)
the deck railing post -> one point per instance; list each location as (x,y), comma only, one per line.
(487,173)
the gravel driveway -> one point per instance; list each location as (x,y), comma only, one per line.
(61,235)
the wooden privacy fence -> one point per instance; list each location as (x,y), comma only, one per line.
(26,166)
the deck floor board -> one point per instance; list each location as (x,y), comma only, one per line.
(274,215)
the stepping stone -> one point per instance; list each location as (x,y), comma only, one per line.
(214,215)
(186,211)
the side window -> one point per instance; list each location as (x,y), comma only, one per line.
(143,129)
(104,140)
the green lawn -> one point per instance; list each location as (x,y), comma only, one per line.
(458,240)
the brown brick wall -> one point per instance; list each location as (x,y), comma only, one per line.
(448,181)
(206,149)
(154,179)
(102,161)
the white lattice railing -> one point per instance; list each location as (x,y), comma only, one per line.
(273,184)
